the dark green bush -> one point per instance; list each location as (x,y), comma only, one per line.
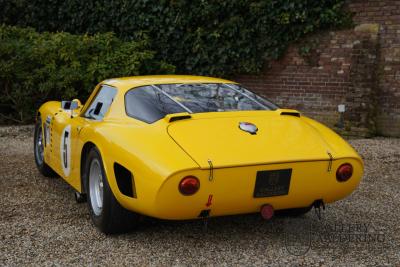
(216,37)
(199,37)
(35,67)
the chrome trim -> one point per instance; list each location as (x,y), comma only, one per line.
(96,187)
(39,149)
(211,177)
(330,161)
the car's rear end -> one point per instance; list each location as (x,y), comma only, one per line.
(286,164)
(249,152)
(237,190)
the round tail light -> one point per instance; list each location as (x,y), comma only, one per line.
(344,172)
(189,185)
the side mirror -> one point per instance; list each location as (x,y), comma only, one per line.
(71,105)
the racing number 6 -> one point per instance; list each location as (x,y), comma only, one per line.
(65,149)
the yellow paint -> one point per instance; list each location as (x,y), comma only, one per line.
(160,154)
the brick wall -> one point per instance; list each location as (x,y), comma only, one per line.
(359,67)
(387,14)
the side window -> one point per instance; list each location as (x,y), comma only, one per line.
(101,103)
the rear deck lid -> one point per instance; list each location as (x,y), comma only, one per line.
(230,141)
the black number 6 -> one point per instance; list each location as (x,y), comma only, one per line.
(65,153)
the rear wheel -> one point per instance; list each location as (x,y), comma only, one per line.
(106,213)
(38,147)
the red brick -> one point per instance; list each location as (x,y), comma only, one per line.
(317,90)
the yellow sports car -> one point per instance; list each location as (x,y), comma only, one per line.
(185,147)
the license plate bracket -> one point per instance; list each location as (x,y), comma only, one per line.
(272,183)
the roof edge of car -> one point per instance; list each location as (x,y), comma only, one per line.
(126,83)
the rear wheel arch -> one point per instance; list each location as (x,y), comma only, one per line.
(110,217)
(84,154)
(109,169)
(87,147)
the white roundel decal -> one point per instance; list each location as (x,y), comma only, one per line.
(65,150)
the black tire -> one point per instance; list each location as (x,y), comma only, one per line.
(112,218)
(296,212)
(43,168)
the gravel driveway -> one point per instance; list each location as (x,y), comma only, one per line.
(40,223)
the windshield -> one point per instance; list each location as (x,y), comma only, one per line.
(151,103)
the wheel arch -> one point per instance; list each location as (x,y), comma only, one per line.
(84,153)
(88,145)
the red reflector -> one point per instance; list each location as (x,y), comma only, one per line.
(267,212)
(344,172)
(189,185)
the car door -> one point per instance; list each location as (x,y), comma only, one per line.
(62,134)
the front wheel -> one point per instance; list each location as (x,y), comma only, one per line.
(38,149)
(106,213)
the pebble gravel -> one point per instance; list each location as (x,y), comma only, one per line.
(41,224)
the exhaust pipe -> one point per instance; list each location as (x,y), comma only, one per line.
(317,207)
(267,211)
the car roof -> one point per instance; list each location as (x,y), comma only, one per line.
(127,83)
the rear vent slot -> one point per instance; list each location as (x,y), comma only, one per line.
(286,113)
(178,118)
(125,181)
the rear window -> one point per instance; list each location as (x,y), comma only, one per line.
(153,102)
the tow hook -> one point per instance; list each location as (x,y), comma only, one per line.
(317,207)
(205,215)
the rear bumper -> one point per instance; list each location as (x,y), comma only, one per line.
(232,189)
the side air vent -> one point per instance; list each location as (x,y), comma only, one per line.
(290,113)
(125,181)
(177,116)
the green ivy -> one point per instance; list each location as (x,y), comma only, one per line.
(36,67)
(218,38)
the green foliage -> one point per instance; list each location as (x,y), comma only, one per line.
(308,50)
(35,67)
(218,38)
